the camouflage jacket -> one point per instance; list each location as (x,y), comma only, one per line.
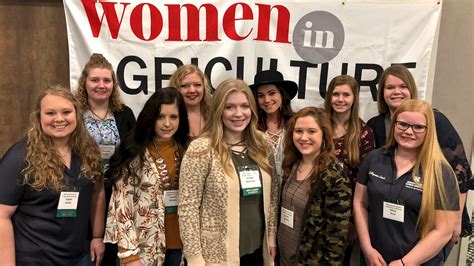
(326,219)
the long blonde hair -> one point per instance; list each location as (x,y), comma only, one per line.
(98,61)
(177,79)
(44,166)
(430,162)
(257,145)
(352,138)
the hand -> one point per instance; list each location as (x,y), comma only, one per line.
(396,263)
(135,263)
(351,234)
(97,249)
(456,233)
(273,252)
(373,258)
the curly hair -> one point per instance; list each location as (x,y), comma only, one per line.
(44,166)
(98,61)
(293,155)
(257,144)
(184,70)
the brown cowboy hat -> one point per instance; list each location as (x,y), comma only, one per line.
(276,78)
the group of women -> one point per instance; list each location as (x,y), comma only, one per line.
(236,178)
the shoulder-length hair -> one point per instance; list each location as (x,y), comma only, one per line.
(98,61)
(285,112)
(127,162)
(429,163)
(401,72)
(176,81)
(352,138)
(44,166)
(257,145)
(293,155)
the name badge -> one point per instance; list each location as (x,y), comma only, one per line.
(106,151)
(250,180)
(393,211)
(67,206)
(171,200)
(287,217)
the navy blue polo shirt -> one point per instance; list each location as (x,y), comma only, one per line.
(40,237)
(393,239)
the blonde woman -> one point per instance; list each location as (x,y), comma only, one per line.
(406,198)
(193,84)
(397,85)
(229,191)
(51,189)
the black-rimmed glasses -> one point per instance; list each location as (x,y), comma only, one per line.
(417,128)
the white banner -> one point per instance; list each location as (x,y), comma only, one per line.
(310,42)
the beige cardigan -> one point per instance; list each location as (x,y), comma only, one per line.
(209,208)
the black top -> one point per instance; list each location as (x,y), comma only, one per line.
(393,239)
(449,141)
(40,237)
(125,121)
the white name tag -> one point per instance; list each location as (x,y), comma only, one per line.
(106,151)
(171,200)
(393,211)
(287,217)
(67,205)
(250,180)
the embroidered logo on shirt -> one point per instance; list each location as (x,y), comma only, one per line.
(414,185)
(376,175)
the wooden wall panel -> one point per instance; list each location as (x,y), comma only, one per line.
(34,55)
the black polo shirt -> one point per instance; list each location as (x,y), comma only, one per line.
(393,239)
(40,237)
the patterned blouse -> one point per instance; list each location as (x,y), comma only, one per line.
(366,144)
(104,132)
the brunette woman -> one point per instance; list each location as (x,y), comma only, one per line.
(142,218)
(353,139)
(316,194)
(274,95)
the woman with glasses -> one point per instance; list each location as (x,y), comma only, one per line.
(406,198)
(397,85)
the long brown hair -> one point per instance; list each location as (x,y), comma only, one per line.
(352,138)
(44,166)
(293,155)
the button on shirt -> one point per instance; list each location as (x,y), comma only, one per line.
(391,238)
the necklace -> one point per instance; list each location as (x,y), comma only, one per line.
(238,143)
(101,119)
(167,183)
